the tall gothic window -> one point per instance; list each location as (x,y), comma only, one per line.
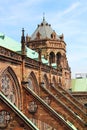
(58,58)
(7,87)
(52,57)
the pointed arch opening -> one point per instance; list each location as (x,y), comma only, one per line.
(45,80)
(52,57)
(60,82)
(10,87)
(54,81)
(58,58)
(32,82)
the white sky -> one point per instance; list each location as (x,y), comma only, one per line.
(65,16)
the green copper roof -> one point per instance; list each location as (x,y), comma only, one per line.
(44,61)
(9,43)
(54,65)
(15,46)
(32,54)
(79,84)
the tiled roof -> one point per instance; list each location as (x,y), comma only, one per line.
(45,31)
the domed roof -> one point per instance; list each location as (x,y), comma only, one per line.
(44,31)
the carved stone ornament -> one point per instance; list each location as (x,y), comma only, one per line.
(32,107)
(4,118)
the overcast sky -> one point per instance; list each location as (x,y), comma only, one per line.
(65,16)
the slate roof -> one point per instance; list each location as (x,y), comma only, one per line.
(45,31)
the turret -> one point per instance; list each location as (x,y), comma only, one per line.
(23,46)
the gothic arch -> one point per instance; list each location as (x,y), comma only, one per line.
(52,57)
(60,82)
(54,81)
(46,81)
(58,58)
(9,85)
(32,82)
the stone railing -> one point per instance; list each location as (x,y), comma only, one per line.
(10,54)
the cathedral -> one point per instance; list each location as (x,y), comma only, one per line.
(35,84)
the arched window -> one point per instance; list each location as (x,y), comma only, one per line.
(46,81)
(58,58)
(7,87)
(60,82)
(38,35)
(32,82)
(10,86)
(53,35)
(54,81)
(52,57)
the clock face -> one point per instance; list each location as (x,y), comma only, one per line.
(7,87)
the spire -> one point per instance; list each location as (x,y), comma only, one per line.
(22,37)
(23,47)
(44,22)
(43,17)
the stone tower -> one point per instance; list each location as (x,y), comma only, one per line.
(53,48)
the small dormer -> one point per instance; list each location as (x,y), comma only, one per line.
(53,35)
(62,37)
(38,35)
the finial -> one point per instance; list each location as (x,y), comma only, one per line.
(22,31)
(22,37)
(43,16)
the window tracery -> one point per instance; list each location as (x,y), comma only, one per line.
(7,87)
(30,84)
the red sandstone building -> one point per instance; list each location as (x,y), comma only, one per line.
(34,83)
